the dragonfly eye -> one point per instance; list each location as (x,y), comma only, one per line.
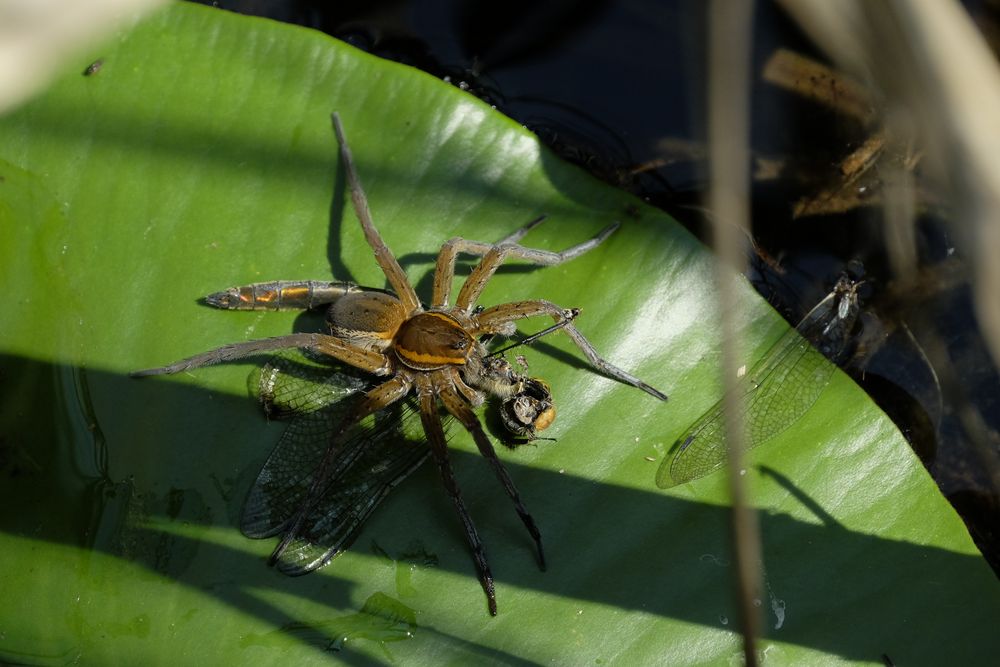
(530,410)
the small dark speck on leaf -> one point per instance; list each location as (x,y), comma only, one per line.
(94,67)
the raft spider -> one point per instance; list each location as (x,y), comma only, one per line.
(435,351)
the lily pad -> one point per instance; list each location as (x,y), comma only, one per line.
(201,156)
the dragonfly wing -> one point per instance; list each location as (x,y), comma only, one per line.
(799,373)
(372,459)
(702,448)
(697,452)
(792,390)
(291,384)
(315,397)
(383,457)
(780,388)
(283,482)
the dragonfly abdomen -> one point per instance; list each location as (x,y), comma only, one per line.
(281,295)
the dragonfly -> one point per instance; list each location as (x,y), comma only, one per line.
(780,388)
(377,454)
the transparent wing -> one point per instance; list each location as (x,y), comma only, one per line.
(313,396)
(374,457)
(291,383)
(778,390)
(776,393)
(378,458)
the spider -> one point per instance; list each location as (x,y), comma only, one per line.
(436,352)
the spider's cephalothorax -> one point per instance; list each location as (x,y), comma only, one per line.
(436,352)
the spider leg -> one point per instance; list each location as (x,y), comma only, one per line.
(386,260)
(570,314)
(493,255)
(439,450)
(367,360)
(521,232)
(374,400)
(461,411)
(493,320)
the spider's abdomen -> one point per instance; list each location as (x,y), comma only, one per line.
(367,318)
(428,341)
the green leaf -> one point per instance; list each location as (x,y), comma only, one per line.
(201,156)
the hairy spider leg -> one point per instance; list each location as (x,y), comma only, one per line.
(374,400)
(368,360)
(493,320)
(386,260)
(439,450)
(444,272)
(459,409)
